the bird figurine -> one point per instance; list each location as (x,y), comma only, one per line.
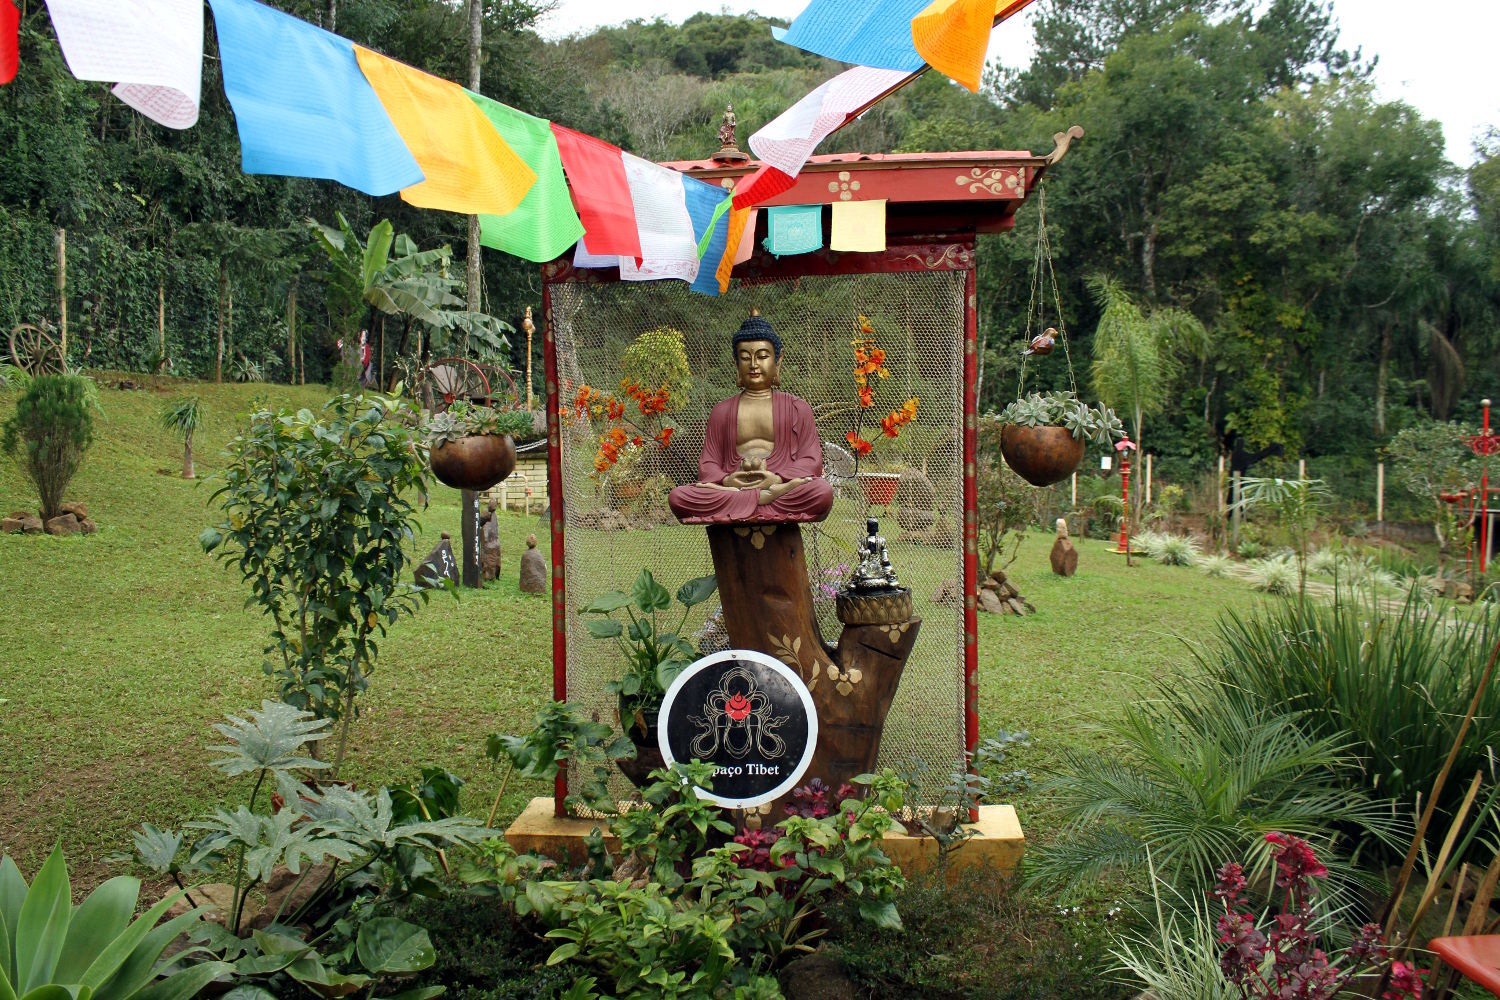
(1042,343)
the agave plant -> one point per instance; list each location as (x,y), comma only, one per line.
(53,950)
(1065,409)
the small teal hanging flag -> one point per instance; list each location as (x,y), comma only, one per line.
(794,229)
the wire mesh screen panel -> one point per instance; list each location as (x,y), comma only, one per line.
(617,520)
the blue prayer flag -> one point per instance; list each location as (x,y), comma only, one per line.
(302,106)
(859,32)
(702,200)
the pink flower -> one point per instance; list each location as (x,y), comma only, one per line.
(1406,981)
(1295,862)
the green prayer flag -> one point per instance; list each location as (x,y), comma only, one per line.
(545,224)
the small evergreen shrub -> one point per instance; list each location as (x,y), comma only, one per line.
(1217,566)
(1147,542)
(51,429)
(1274,576)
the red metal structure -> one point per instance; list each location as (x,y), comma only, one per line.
(937,205)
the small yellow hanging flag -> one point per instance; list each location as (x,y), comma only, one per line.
(858,226)
(468,166)
(952,35)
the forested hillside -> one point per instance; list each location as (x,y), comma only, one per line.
(1237,167)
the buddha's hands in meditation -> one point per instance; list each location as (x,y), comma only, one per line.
(752,474)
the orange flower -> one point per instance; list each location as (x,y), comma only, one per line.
(891,425)
(859,444)
(664,436)
(866,396)
(864,325)
(614,409)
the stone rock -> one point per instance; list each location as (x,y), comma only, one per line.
(1457,590)
(12,525)
(533,569)
(1064,556)
(218,899)
(63,524)
(949,592)
(989,601)
(77,508)
(18,515)
(607,519)
(32,525)
(816,977)
(87,526)
(489,545)
(439,565)
(286,892)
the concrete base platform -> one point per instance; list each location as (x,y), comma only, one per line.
(997,844)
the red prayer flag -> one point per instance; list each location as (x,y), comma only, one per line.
(767,182)
(601,193)
(10,42)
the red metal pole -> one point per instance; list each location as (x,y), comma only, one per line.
(1124,447)
(555,503)
(1484,494)
(971,518)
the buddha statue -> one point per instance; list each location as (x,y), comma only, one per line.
(762,459)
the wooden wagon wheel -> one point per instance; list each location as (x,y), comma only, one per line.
(498,376)
(34,351)
(448,380)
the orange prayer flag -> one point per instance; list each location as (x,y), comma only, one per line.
(952,35)
(737,219)
(468,166)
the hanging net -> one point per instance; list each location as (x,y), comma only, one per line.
(617,521)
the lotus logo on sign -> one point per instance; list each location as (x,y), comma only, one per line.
(750,716)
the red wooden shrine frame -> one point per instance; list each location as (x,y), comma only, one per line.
(936,204)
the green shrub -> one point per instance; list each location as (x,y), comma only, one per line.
(485,953)
(317,511)
(49,432)
(1201,774)
(981,938)
(1399,682)
(344,378)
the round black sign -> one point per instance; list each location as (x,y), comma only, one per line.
(749,715)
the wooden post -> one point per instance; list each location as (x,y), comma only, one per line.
(1301,468)
(380,365)
(529,326)
(62,288)
(161,326)
(223,291)
(1234,539)
(229,304)
(1075,490)
(471,537)
(1148,480)
(291,333)
(1379,492)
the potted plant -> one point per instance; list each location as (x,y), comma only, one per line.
(870,372)
(1044,435)
(471,447)
(653,657)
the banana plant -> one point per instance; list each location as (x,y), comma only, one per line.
(53,950)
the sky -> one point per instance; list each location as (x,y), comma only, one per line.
(1436,55)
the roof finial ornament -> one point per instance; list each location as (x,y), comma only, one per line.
(729,153)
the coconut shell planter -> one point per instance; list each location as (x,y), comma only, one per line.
(1043,437)
(476,462)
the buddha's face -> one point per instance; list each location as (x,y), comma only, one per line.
(758,365)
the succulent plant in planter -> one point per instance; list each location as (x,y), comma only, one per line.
(1045,434)
(473,447)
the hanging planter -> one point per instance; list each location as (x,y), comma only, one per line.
(471,446)
(1044,437)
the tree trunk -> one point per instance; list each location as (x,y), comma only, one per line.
(229,326)
(161,326)
(767,601)
(291,333)
(1381,378)
(223,293)
(1148,260)
(333,16)
(187,458)
(475,270)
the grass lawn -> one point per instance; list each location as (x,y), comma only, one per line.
(120,649)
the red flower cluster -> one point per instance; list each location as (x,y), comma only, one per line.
(1285,961)
(589,403)
(891,425)
(859,445)
(869,371)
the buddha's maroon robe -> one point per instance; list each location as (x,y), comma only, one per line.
(798,452)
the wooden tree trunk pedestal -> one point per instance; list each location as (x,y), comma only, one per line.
(767,601)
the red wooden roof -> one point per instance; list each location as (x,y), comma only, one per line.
(928,193)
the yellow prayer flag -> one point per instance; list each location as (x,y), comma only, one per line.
(468,166)
(858,226)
